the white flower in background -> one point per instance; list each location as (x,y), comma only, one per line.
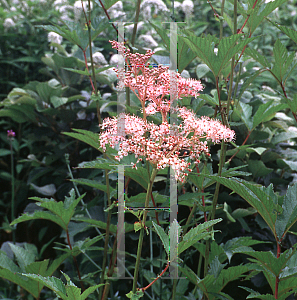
(99,58)
(188,7)
(8,23)
(116,10)
(53,37)
(129,28)
(105,96)
(78,8)
(185,74)
(148,41)
(146,8)
(115,59)
(177,5)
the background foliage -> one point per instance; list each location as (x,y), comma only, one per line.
(57,175)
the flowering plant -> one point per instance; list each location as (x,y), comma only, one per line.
(161,144)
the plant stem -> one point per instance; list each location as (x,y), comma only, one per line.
(145,288)
(75,262)
(135,22)
(211,216)
(12,188)
(142,230)
(232,63)
(277,277)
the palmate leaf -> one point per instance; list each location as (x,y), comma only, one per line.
(65,292)
(203,47)
(261,198)
(184,55)
(256,18)
(10,271)
(58,212)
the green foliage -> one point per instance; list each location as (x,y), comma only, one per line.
(25,258)
(57,212)
(66,292)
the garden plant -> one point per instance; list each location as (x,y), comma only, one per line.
(148,149)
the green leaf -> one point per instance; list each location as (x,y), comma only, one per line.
(228,212)
(292,34)
(292,103)
(163,236)
(23,256)
(102,225)
(85,136)
(93,184)
(99,163)
(107,3)
(239,245)
(71,31)
(258,168)
(202,70)
(283,136)
(257,57)
(282,60)
(256,19)
(197,233)
(288,217)
(58,101)
(245,114)
(140,176)
(203,47)
(184,55)
(261,198)
(59,212)
(135,296)
(215,267)
(248,81)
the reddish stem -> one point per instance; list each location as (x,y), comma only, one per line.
(277,278)
(240,30)
(75,261)
(145,288)
(86,62)
(214,11)
(241,145)
(285,94)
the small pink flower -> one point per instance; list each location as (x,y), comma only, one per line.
(10,134)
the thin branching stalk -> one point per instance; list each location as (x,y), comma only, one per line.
(232,63)
(12,187)
(75,262)
(142,230)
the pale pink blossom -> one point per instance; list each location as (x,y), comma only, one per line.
(160,144)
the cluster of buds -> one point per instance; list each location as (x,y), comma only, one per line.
(162,144)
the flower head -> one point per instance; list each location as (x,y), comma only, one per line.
(10,134)
(157,143)
(160,144)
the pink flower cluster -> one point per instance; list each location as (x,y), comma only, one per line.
(153,83)
(162,144)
